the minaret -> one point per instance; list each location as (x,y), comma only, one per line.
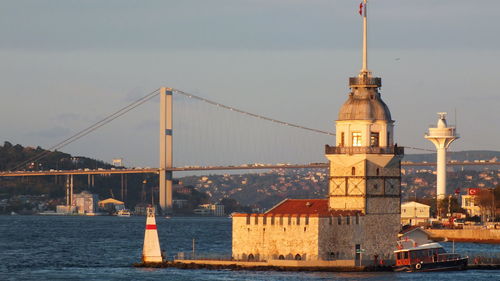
(441,136)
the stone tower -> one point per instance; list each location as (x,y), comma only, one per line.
(365,165)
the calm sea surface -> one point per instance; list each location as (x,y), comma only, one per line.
(104,248)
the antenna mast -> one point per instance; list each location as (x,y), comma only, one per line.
(365,70)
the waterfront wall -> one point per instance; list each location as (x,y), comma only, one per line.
(467,235)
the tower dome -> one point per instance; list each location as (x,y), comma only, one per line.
(364,104)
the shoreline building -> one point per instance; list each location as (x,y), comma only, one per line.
(414,213)
(441,136)
(360,219)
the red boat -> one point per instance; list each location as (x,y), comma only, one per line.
(428,257)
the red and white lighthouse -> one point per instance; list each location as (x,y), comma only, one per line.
(151,251)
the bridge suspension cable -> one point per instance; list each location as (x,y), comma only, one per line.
(251,114)
(90,128)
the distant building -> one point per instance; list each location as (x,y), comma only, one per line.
(210,209)
(64,209)
(414,213)
(118,162)
(85,202)
(471,204)
(111,205)
(414,236)
(180,203)
(141,209)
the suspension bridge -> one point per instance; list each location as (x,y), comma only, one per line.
(166,147)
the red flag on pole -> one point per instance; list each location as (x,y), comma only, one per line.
(360,9)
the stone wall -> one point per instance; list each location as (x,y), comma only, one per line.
(287,237)
(376,235)
(469,235)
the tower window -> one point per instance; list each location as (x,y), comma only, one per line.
(342,137)
(356,138)
(374,139)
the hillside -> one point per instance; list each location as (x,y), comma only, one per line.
(469,155)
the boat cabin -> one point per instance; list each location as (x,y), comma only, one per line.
(426,253)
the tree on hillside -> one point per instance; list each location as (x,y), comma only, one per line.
(485,199)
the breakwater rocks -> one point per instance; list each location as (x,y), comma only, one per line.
(213,265)
(227,265)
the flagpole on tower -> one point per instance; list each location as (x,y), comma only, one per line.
(365,38)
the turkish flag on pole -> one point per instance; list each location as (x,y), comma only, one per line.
(360,9)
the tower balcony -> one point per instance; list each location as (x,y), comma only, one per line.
(365,81)
(396,150)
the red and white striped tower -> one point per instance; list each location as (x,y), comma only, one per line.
(151,252)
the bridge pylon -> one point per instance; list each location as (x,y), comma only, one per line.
(166,149)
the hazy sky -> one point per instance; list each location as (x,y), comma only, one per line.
(65,64)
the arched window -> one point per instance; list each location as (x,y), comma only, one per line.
(378,171)
(281,257)
(353,171)
(298,257)
(251,257)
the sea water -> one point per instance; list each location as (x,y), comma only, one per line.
(104,248)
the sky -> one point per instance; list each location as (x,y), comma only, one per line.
(66,64)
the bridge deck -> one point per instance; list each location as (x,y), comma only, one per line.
(213,168)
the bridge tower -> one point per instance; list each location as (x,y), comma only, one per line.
(365,164)
(166,149)
(441,136)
